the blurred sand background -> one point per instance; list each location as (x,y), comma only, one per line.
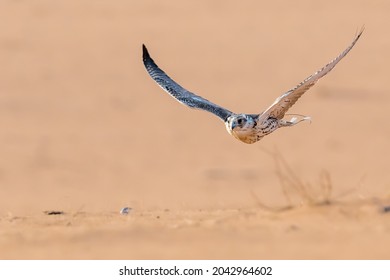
(83,129)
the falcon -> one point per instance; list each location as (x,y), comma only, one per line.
(248,128)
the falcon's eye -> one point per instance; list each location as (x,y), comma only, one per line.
(239,121)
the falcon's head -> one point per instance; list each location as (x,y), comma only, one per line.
(242,127)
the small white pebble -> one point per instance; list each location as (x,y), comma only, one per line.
(125,210)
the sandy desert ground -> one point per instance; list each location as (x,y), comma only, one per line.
(84,130)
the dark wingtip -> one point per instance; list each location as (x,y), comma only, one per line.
(361,31)
(145,53)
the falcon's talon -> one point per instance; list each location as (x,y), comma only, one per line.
(307,119)
(298,119)
(248,128)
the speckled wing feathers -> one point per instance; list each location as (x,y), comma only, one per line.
(178,92)
(288,99)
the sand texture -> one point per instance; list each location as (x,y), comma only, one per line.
(84,130)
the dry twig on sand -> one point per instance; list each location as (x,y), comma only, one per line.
(296,191)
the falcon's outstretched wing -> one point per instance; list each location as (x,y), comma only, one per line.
(178,92)
(288,99)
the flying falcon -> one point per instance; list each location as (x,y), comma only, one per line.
(248,128)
